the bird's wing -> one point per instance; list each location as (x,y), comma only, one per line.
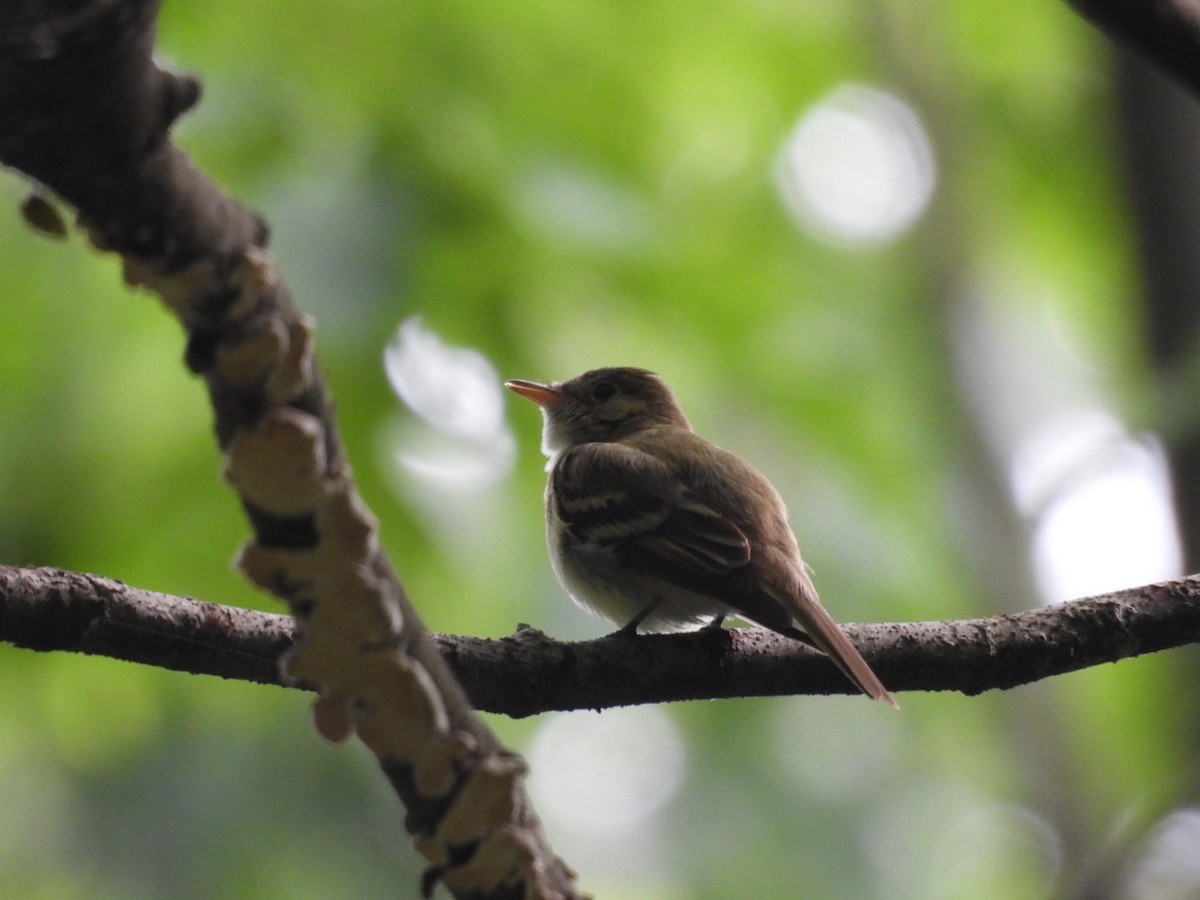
(608,493)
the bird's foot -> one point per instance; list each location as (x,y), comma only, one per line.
(717,635)
(629,629)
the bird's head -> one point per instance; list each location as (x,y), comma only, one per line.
(601,405)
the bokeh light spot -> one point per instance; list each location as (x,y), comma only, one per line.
(858,167)
(1169,866)
(457,391)
(1101,502)
(606,773)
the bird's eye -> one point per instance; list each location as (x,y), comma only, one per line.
(605,390)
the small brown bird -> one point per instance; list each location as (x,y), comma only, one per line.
(651,525)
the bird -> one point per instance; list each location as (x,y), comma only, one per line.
(652,526)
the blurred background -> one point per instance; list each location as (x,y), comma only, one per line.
(930,266)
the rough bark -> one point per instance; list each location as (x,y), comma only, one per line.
(85,111)
(529,672)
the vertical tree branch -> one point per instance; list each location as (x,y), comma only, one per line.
(1160,140)
(85,110)
(1166,31)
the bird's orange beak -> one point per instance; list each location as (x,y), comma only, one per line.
(541,394)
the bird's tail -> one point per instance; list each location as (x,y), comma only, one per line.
(820,630)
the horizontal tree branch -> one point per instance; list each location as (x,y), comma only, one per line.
(529,672)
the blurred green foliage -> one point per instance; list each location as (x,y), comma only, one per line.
(563,185)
